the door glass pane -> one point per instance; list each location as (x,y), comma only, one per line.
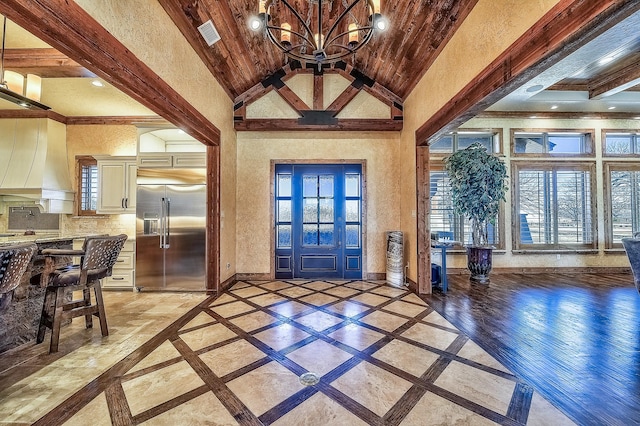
(326,235)
(284,210)
(310,186)
(310,235)
(353,210)
(352,185)
(326,211)
(284,236)
(326,186)
(284,185)
(310,214)
(352,239)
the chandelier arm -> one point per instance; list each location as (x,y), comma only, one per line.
(343,14)
(368,28)
(274,27)
(298,17)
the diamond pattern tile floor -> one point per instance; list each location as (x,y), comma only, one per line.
(382,355)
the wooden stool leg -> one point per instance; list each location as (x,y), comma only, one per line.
(44,317)
(101,313)
(57,319)
(86,295)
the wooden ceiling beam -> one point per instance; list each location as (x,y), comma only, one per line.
(286,124)
(44,62)
(32,113)
(563,115)
(614,82)
(560,32)
(70,29)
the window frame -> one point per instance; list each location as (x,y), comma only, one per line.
(81,162)
(496,136)
(608,167)
(516,167)
(633,132)
(589,142)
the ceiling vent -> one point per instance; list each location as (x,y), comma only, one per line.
(209,32)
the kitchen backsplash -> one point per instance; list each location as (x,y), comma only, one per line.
(29,218)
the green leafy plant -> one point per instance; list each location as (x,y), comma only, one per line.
(478,182)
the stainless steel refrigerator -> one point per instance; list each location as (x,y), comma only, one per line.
(170,237)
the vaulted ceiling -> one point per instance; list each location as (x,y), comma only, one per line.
(396,59)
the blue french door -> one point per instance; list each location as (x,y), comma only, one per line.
(318,221)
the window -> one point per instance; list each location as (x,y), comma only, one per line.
(555,206)
(442,218)
(87,178)
(622,201)
(545,143)
(463,139)
(621,143)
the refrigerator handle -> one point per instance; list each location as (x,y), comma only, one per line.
(168,224)
(162,223)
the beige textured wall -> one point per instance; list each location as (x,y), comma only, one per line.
(148,32)
(490,28)
(255,152)
(99,140)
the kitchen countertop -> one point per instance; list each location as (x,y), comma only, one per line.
(41,238)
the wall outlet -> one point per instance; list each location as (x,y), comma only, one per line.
(557,257)
(228,265)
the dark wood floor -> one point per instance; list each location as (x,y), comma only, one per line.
(575,338)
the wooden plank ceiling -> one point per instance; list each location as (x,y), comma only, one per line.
(395,59)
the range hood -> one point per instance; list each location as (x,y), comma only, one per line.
(33,163)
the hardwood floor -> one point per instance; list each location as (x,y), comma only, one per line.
(574,338)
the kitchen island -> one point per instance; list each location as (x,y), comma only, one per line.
(20,317)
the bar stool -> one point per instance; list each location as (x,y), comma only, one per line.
(14,260)
(98,256)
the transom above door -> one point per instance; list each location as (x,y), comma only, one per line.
(318,221)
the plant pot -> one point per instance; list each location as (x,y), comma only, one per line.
(479,263)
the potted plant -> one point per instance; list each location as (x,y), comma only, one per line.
(478,183)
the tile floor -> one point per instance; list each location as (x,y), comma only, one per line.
(379,355)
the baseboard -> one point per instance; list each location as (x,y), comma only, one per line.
(226,284)
(254,277)
(376,276)
(541,270)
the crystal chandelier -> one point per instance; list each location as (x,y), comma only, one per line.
(322,36)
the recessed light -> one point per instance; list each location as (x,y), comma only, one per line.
(534,116)
(535,88)
(606,60)
(97,83)
(554,106)
(612,107)
(636,118)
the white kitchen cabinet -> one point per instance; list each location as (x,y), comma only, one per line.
(123,273)
(116,185)
(177,160)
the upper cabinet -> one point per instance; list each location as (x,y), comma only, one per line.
(158,148)
(116,185)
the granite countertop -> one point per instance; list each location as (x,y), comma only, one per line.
(40,238)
